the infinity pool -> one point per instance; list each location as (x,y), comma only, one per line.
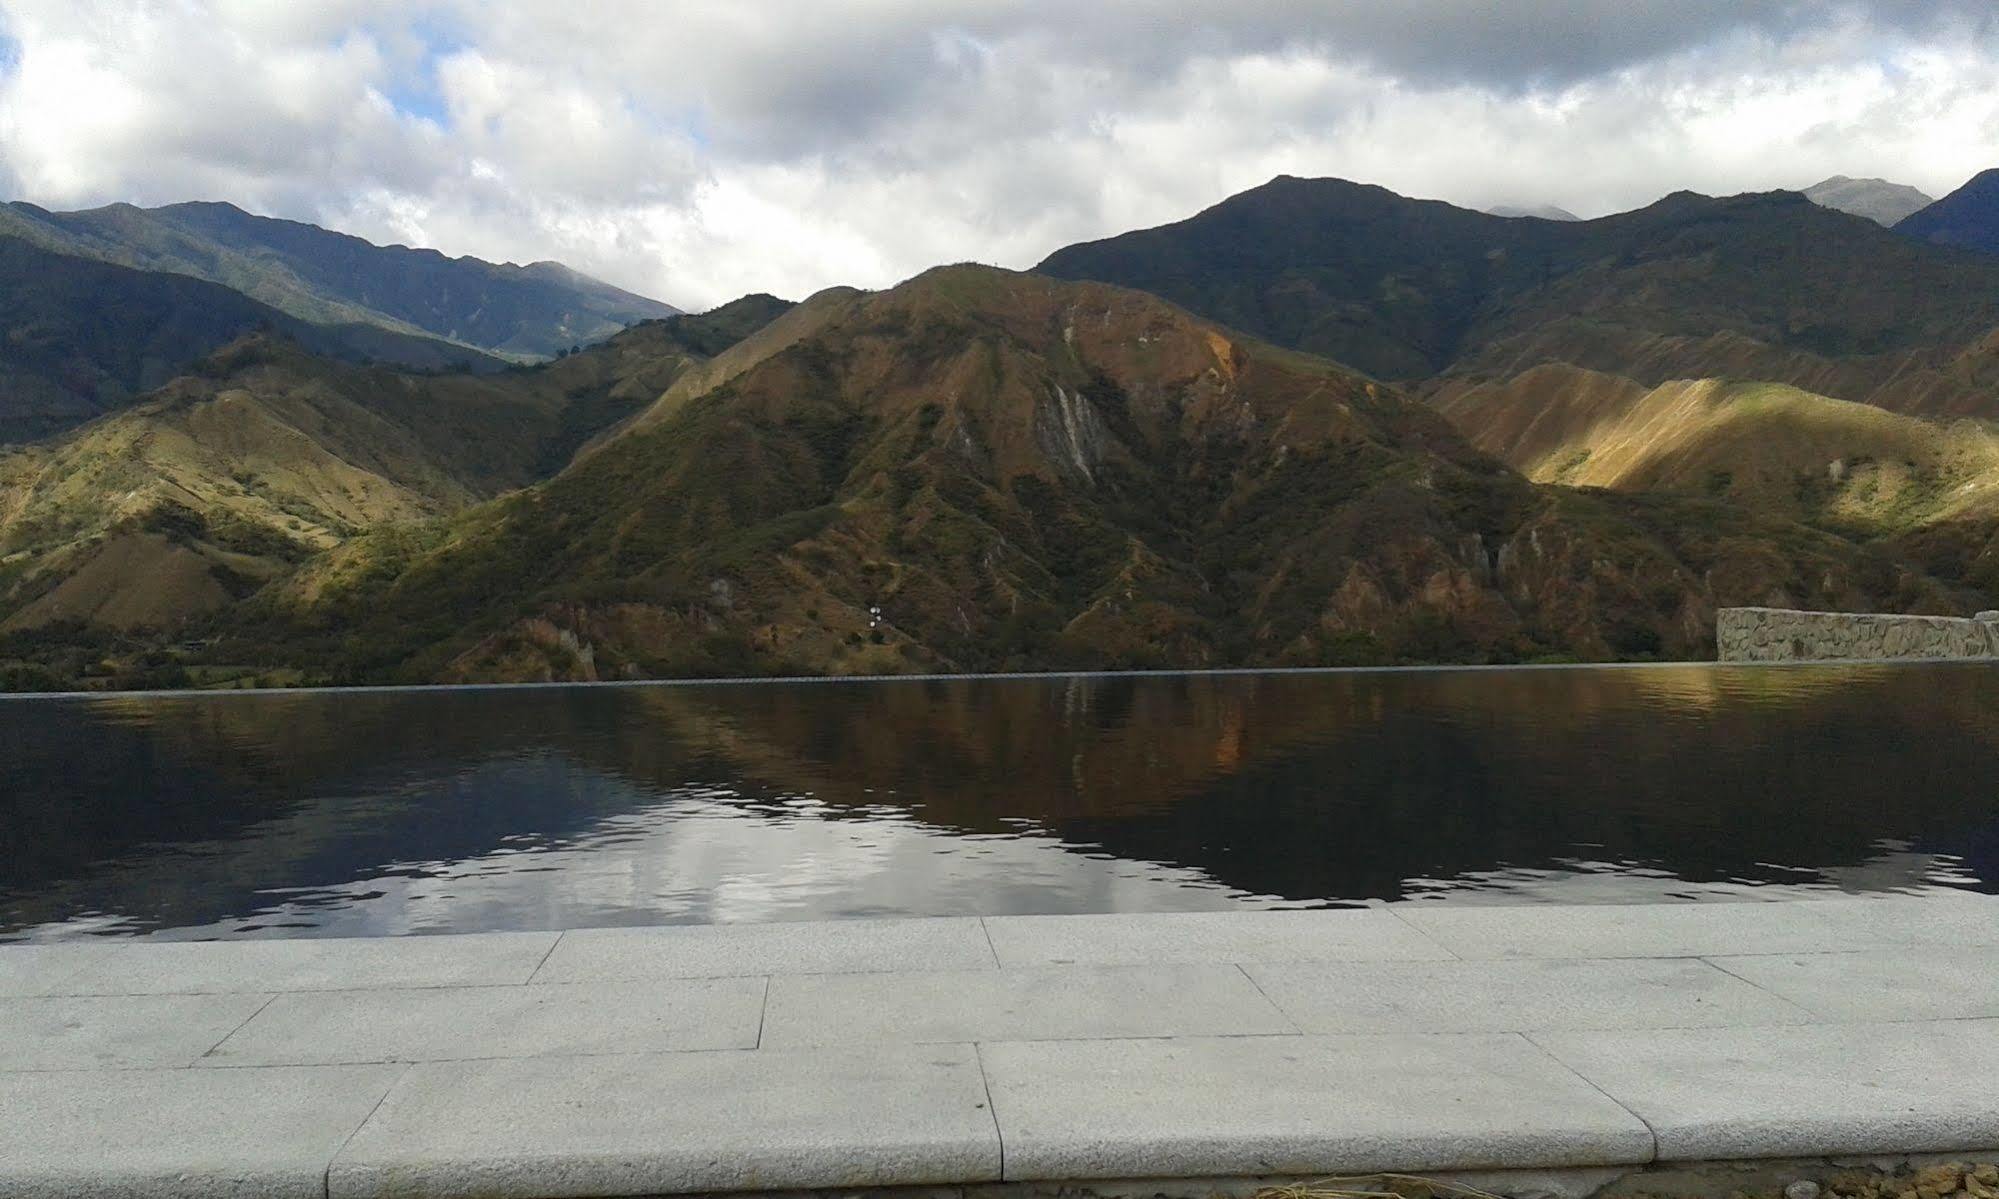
(453,810)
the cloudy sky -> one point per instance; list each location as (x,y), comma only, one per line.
(696,150)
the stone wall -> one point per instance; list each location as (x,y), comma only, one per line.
(1781,635)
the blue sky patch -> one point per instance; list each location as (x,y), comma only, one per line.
(416,93)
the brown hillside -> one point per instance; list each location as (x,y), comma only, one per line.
(980,469)
(1776,448)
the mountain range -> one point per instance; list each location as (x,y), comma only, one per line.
(1319,423)
(984,470)
(1769,286)
(1878,200)
(107,304)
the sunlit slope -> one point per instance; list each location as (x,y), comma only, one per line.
(1773,447)
(218,482)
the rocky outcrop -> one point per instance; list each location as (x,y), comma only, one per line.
(1781,635)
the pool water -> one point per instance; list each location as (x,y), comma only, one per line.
(341,813)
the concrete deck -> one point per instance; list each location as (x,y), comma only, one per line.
(1412,1038)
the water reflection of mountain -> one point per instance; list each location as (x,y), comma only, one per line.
(1302,786)
(1345,785)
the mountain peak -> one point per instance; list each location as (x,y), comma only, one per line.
(1687,202)
(218,206)
(1878,200)
(1544,212)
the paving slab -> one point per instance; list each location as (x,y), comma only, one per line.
(338,963)
(89,1032)
(41,969)
(1297,1105)
(1955,921)
(180,1134)
(1047,1003)
(1923,984)
(1706,929)
(1804,1091)
(444,1023)
(1153,937)
(725,950)
(667,1123)
(1516,996)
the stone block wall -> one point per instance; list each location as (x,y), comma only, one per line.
(1781,635)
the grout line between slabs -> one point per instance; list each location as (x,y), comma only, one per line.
(992,1109)
(360,990)
(536,972)
(1811,1017)
(1424,933)
(224,1039)
(990,947)
(1274,1005)
(326,1175)
(1591,1083)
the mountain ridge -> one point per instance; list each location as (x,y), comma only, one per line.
(1967,217)
(327,277)
(1761,285)
(80,337)
(1293,457)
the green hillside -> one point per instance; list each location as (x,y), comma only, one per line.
(1768,287)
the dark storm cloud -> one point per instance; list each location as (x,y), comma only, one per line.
(1543,43)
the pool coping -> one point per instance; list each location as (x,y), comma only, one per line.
(1219,672)
(987,1052)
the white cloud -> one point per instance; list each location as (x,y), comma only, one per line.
(696,150)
